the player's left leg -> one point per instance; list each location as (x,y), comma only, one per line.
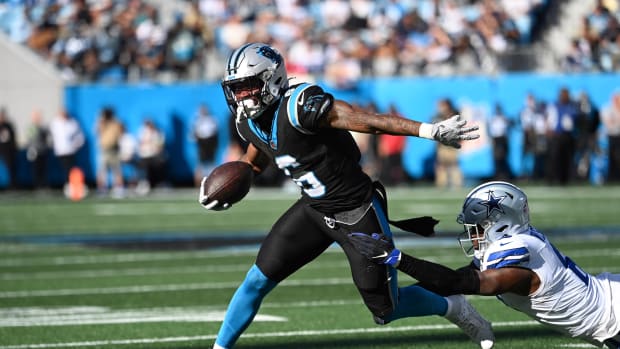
(291,243)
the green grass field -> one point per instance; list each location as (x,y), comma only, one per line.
(106,273)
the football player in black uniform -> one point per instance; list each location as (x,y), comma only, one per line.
(305,132)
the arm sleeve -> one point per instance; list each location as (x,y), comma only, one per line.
(440,279)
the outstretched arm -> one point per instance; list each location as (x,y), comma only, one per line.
(441,279)
(450,132)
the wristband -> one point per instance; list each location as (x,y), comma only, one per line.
(425,131)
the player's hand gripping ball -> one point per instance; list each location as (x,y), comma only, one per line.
(226,185)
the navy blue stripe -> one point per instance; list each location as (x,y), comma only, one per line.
(520,251)
(507,262)
(508,257)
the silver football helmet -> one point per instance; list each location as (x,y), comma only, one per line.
(255,79)
(491,211)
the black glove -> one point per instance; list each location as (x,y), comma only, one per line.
(376,247)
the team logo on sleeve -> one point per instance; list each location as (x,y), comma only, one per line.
(493,203)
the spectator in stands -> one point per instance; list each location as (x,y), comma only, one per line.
(67,138)
(152,157)
(183,48)
(69,51)
(498,127)
(8,147)
(37,149)
(534,127)
(109,132)
(466,57)
(610,118)
(447,169)
(609,47)
(385,58)
(599,17)
(206,134)
(151,44)
(107,46)
(89,30)
(45,30)
(562,119)
(579,58)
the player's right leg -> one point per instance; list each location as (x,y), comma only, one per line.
(292,242)
(378,287)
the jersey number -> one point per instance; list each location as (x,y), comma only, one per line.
(308,182)
(566,261)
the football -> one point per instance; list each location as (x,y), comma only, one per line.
(229,182)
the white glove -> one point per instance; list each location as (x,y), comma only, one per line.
(214,205)
(451,131)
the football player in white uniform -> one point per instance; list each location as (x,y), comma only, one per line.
(518,264)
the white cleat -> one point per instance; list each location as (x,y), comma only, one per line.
(463,314)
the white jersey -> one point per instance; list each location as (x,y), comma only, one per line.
(568,299)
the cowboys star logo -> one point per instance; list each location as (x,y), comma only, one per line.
(493,203)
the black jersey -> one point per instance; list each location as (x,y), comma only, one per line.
(324,162)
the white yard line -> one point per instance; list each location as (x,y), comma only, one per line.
(72,316)
(256,335)
(161,288)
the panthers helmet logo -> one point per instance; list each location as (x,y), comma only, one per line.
(270,54)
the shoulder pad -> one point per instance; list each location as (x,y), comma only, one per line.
(306,105)
(508,251)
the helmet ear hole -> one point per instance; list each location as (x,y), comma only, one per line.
(502,228)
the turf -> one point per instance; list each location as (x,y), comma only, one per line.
(105,273)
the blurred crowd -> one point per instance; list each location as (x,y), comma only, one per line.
(597,47)
(340,41)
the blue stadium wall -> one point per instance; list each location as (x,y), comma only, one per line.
(172,107)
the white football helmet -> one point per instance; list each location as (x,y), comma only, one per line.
(255,79)
(491,211)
